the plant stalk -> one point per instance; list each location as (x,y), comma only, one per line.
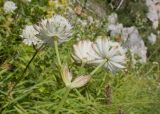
(27,66)
(57,52)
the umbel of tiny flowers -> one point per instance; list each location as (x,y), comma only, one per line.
(29,36)
(54,28)
(110,51)
(9,6)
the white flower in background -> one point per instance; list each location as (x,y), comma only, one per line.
(56,26)
(138,54)
(152,38)
(110,51)
(82,51)
(90,19)
(29,36)
(9,6)
(98,23)
(76,83)
(113,18)
(82,22)
(153,12)
(130,38)
(133,41)
(114,27)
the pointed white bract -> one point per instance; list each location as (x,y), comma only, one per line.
(110,51)
(76,83)
(9,6)
(82,51)
(29,36)
(80,81)
(55,27)
(66,76)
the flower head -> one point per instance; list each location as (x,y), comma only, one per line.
(82,51)
(54,27)
(29,36)
(9,6)
(76,83)
(110,51)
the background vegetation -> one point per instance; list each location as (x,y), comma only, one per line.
(132,91)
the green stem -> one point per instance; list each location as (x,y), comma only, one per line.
(62,101)
(98,67)
(57,53)
(34,55)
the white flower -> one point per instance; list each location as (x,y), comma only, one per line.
(56,26)
(9,6)
(110,51)
(29,36)
(82,22)
(133,42)
(113,18)
(90,19)
(153,12)
(82,51)
(115,29)
(138,54)
(76,83)
(152,38)
(155,24)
